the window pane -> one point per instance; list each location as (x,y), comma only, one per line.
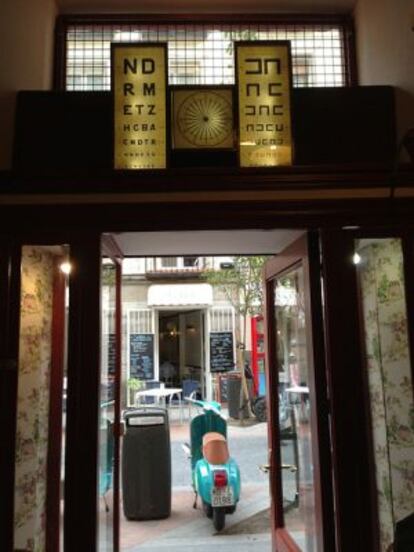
(294,411)
(107,404)
(204,54)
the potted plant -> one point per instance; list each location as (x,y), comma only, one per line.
(134,385)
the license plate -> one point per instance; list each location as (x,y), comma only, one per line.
(222,496)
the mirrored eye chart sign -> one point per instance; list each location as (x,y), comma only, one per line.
(263,73)
(139,84)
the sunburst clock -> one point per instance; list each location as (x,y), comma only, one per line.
(202,118)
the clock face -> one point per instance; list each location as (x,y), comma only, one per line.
(203,119)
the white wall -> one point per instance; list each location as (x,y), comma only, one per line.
(26,54)
(385,47)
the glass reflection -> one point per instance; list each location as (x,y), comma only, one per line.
(294,410)
(107,402)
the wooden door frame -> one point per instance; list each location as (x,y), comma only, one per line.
(303,252)
(358,526)
(354,502)
(110,248)
(80,328)
(54,452)
(88,240)
(10,258)
(81,477)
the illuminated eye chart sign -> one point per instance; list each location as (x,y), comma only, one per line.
(139,84)
(263,72)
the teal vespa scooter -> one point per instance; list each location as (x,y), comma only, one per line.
(215,475)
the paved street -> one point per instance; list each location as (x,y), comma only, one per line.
(247,445)
(188,529)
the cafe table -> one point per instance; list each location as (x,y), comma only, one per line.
(160,395)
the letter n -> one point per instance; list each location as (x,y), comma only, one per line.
(130,66)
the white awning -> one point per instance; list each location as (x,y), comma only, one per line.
(180,294)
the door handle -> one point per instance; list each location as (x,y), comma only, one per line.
(290,467)
(265,468)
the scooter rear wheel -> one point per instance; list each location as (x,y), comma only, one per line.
(260,409)
(219,518)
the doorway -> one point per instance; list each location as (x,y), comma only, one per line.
(179,330)
(193,321)
(181,349)
(84,374)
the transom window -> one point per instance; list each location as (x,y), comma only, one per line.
(203,53)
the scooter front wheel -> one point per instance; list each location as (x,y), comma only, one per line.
(219,518)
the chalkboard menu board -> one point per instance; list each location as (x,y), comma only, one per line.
(221,351)
(141,356)
(111,353)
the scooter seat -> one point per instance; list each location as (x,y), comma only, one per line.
(215,449)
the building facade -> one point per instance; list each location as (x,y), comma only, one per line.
(168,300)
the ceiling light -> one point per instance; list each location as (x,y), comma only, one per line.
(356,259)
(66,268)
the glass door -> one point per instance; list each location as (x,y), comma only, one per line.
(109,399)
(296,378)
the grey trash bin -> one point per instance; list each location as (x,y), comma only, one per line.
(146,464)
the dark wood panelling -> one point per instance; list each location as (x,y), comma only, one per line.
(54,452)
(408,251)
(355,512)
(187,215)
(304,179)
(58,132)
(80,523)
(9,346)
(344,125)
(316,337)
(272,405)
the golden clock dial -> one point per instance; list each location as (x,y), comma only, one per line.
(203,119)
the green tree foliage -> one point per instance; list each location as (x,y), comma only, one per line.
(243,288)
(242,284)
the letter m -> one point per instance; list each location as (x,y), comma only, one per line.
(149,89)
